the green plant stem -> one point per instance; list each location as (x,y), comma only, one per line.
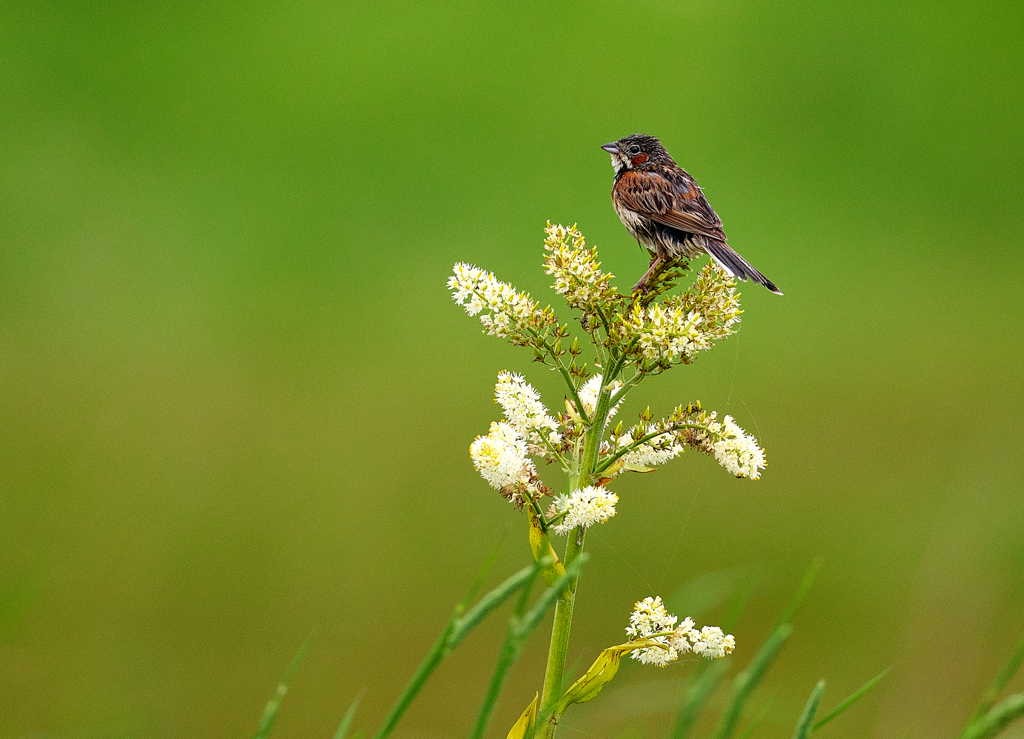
(563,370)
(560,630)
(562,625)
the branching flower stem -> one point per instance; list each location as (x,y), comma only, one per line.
(634,337)
(612,458)
(564,372)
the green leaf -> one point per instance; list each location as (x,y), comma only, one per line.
(753,725)
(549,596)
(1002,715)
(511,648)
(461,626)
(745,683)
(999,682)
(803,724)
(805,585)
(269,715)
(480,578)
(738,601)
(455,630)
(856,696)
(346,720)
(697,695)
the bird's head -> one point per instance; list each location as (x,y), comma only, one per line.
(638,151)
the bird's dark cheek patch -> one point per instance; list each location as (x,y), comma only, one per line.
(639,159)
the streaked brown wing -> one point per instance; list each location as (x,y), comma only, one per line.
(681,205)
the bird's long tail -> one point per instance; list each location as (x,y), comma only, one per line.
(736,265)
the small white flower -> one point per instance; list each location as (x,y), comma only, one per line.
(584,508)
(500,457)
(738,452)
(680,637)
(589,391)
(524,410)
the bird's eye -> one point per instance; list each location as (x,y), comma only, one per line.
(634,149)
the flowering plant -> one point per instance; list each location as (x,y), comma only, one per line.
(634,337)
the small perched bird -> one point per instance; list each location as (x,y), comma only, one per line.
(666,211)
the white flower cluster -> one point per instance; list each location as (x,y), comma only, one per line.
(738,452)
(650,620)
(524,409)
(505,310)
(577,272)
(500,458)
(589,391)
(584,508)
(652,452)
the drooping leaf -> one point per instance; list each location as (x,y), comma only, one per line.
(600,673)
(541,546)
(524,725)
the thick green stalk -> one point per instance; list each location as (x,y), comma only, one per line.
(560,631)
(562,625)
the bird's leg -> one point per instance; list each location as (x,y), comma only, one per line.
(655,263)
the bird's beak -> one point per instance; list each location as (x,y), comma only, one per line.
(612,148)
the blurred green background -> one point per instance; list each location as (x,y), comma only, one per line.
(236,398)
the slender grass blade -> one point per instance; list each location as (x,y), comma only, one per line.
(998,718)
(999,682)
(745,683)
(487,603)
(481,577)
(856,696)
(749,731)
(454,632)
(346,720)
(805,586)
(697,695)
(803,724)
(508,654)
(269,716)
